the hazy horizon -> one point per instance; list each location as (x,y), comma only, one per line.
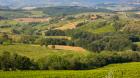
(42,3)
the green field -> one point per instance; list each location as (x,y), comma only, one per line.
(126,70)
(32,51)
(97,27)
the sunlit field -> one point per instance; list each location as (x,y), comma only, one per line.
(126,70)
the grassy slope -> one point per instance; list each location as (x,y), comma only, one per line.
(90,27)
(126,70)
(32,51)
(108,28)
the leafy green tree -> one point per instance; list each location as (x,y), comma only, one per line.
(16,62)
(6,64)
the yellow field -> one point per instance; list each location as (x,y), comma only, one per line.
(61,47)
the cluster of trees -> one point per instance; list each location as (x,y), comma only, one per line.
(135,47)
(55,33)
(26,39)
(134,38)
(5,26)
(53,41)
(16,62)
(108,41)
(87,61)
(82,39)
(4,39)
(117,41)
(27,28)
(111,43)
(81,24)
(69,61)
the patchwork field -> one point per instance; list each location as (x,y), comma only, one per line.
(126,70)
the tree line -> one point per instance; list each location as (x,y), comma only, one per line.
(9,62)
(69,61)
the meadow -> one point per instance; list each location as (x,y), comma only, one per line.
(125,70)
(32,51)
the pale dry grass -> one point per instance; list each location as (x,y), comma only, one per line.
(62,47)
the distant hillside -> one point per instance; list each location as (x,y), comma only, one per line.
(67,10)
(44,3)
(4,7)
(40,3)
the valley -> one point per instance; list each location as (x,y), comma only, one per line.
(69,42)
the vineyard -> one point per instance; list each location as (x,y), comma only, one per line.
(126,70)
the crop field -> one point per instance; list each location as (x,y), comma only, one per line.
(126,70)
